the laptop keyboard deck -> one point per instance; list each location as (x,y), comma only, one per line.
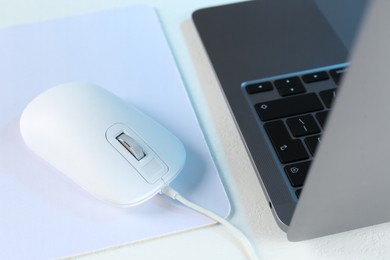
(292,110)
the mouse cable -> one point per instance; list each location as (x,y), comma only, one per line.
(244,241)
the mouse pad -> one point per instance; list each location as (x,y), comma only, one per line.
(44,215)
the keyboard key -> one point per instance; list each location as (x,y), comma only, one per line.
(289,86)
(287,82)
(292,90)
(297,172)
(314,77)
(259,87)
(321,117)
(337,74)
(287,149)
(303,125)
(328,96)
(312,143)
(289,106)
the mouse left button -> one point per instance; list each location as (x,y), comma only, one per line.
(131,145)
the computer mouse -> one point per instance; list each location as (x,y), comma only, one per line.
(102,143)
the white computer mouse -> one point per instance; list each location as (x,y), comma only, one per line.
(102,143)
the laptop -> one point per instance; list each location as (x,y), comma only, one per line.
(321,160)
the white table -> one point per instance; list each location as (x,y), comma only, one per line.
(250,209)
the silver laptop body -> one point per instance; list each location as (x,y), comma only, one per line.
(248,43)
(349,182)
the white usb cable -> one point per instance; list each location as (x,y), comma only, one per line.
(249,250)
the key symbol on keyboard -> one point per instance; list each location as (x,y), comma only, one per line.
(294,170)
(283,147)
(264,106)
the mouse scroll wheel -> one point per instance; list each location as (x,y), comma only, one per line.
(131,145)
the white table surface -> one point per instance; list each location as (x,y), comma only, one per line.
(250,209)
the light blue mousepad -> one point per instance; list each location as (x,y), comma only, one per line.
(44,215)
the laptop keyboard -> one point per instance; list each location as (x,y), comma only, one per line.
(293,110)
